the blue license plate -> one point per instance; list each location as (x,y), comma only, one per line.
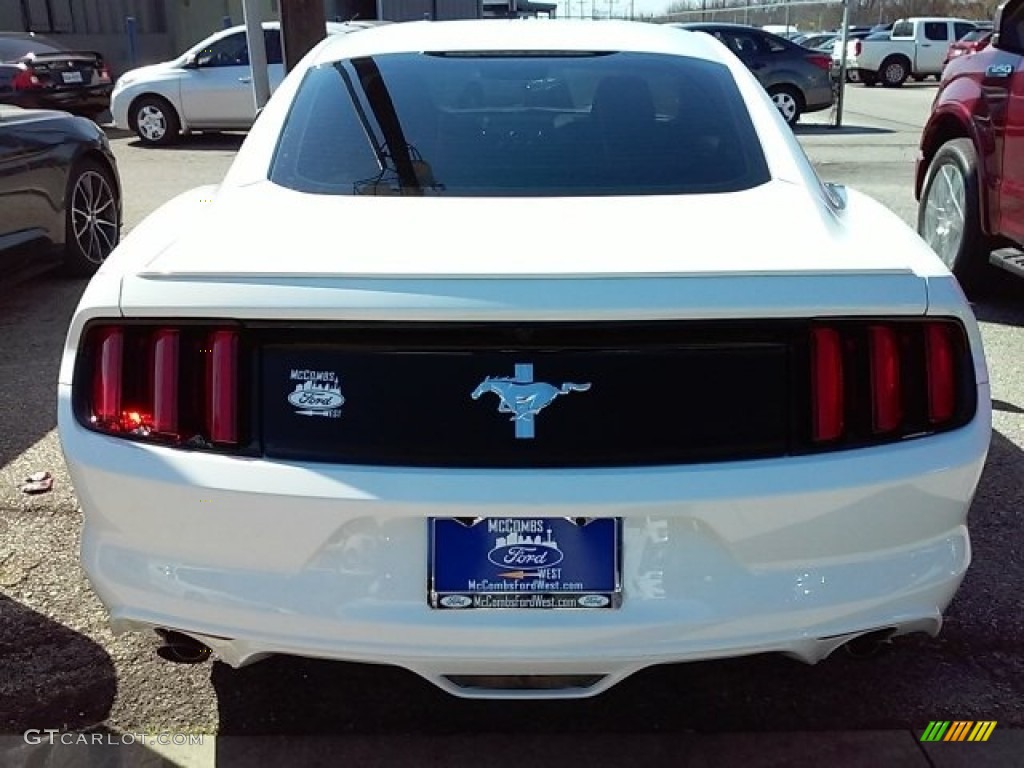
(525,562)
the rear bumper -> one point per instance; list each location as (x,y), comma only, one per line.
(89,101)
(789,555)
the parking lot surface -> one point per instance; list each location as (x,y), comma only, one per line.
(60,667)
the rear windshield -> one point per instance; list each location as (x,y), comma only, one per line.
(519,125)
(975,36)
(12,49)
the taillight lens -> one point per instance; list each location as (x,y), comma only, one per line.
(886,387)
(173,385)
(941,374)
(857,48)
(818,60)
(826,384)
(878,381)
(25,80)
(104,74)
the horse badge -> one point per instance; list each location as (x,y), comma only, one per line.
(523,397)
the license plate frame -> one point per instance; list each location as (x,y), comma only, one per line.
(524,563)
(72,78)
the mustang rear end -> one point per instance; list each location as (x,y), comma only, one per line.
(344,417)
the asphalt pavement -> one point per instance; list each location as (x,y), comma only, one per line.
(61,668)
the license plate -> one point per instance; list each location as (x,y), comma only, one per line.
(71,77)
(513,562)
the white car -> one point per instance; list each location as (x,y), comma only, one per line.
(209,87)
(556,407)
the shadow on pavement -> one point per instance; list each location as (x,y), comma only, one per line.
(197,141)
(50,675)
(822,129)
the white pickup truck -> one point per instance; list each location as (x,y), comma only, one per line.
(915,48)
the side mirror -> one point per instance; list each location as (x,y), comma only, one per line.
(191,61)
(1008,29)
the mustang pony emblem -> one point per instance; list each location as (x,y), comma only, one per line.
(523,397)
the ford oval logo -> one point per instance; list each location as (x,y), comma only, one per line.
(525,556)
(593,601)
(456,601)
(316,399)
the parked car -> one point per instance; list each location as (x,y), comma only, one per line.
(974,41)
(40,73)
(208,87)
(408,452)
(817,42)
(970,174)
(798,80)
(915,48)
(60,196)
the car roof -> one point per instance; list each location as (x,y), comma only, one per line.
(521,34)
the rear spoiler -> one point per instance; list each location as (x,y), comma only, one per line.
(57,55)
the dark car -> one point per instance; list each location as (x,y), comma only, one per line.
(797,79)
(60,195)
(970,174)
(39,73)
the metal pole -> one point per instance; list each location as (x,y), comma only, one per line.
(787,17)
(257,52)
(844,39)
(130,29)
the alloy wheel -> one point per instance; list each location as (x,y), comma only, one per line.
(944,217)
(94,216)
(786,104)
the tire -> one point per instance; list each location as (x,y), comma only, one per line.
(154,121)
(951,186)
(919,78)
(92,216)
(894,71)
(788,101)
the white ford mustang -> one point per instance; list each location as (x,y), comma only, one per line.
(485,361)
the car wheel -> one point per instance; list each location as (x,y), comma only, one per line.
(788,101)
(894,71)
(92,218)
(154,121)
(949,214)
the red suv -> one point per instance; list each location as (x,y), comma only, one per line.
(970,175)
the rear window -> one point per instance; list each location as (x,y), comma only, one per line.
(903,29)
(519,125)
(12,49)
(975,36)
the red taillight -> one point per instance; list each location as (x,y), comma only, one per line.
(818,60)
(104,74)
(941,366)
(107,377)
(886,393)
(170,385)
(826,384)
(857,48)
(222,387)
(165,381)
(25,81)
